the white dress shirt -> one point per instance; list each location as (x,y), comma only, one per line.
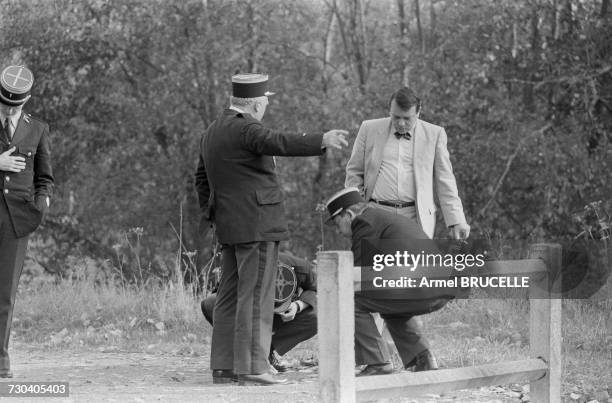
(396,176)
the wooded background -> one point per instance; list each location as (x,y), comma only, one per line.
(523,88)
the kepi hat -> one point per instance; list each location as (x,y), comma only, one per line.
(15,85)
(341,200)
(250,85)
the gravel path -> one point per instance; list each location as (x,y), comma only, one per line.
(117,376)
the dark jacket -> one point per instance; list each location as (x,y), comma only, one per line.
(305,275)
(376,231)
(25,192)
(236,180)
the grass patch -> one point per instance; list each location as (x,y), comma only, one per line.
(89,311)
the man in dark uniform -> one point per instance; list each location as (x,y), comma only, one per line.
(238,190)
(294,322)
(390,232)
(26,184)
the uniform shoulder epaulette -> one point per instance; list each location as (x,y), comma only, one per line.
(27,116)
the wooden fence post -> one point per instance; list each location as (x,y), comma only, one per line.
(336,326)
(545,324)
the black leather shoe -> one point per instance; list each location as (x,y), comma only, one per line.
(6,373)
(259,379)
(277,362)
(223,376)
(376,369)
(424,361)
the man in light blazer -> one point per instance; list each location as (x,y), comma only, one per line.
(400,163)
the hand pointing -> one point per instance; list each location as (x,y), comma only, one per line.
(335,138)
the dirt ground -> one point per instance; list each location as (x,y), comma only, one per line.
(119,376)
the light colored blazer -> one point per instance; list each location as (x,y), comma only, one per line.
(433,173)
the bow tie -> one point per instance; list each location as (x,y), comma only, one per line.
(399,135)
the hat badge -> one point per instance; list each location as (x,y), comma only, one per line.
(21,78)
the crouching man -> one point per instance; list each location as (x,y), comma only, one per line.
(354,219)
(295,312)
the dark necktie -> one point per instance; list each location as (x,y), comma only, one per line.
(399,135)
(5,131)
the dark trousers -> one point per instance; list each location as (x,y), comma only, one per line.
(289,334)
(286,335)
(244,308)
(398,314)
(12,255)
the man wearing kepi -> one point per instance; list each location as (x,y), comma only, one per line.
(238,190)
(26,184)
(390,232)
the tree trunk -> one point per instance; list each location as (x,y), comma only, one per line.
(567,18)
(251,56)
(343,34)
(535,43)
(432,25)
(211,78)
(514,39)
(354,38)
(417,10)
(403,24)
(554,20)
(605,6)
(328,49)
(359,43)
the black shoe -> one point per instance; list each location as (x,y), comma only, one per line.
(259,379)
(6,373)
(424,361)
(223,376)
(376,369)
(277,362)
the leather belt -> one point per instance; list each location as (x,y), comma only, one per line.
(394,203)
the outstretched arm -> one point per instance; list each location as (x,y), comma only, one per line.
(261,140)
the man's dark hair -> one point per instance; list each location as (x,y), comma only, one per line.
(405,99)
